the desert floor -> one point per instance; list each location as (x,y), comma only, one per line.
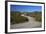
(30,24)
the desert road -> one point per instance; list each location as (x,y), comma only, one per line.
(30,24)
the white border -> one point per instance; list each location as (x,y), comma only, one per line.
(28,29)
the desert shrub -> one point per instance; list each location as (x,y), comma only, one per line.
(17,18)
(33,15)
(26,19)
(20,19)
(38,18)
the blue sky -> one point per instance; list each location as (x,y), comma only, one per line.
(25,8)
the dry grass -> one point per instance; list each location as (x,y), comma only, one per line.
(17,18)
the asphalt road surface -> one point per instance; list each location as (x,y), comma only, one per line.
(30,24)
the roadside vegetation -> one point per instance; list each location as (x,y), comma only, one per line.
(17,18)
(36,15)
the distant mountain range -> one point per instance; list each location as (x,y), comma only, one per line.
(26,12)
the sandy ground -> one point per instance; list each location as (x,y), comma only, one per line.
(30,24)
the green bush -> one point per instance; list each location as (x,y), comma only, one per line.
(17,18)
(38,18)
